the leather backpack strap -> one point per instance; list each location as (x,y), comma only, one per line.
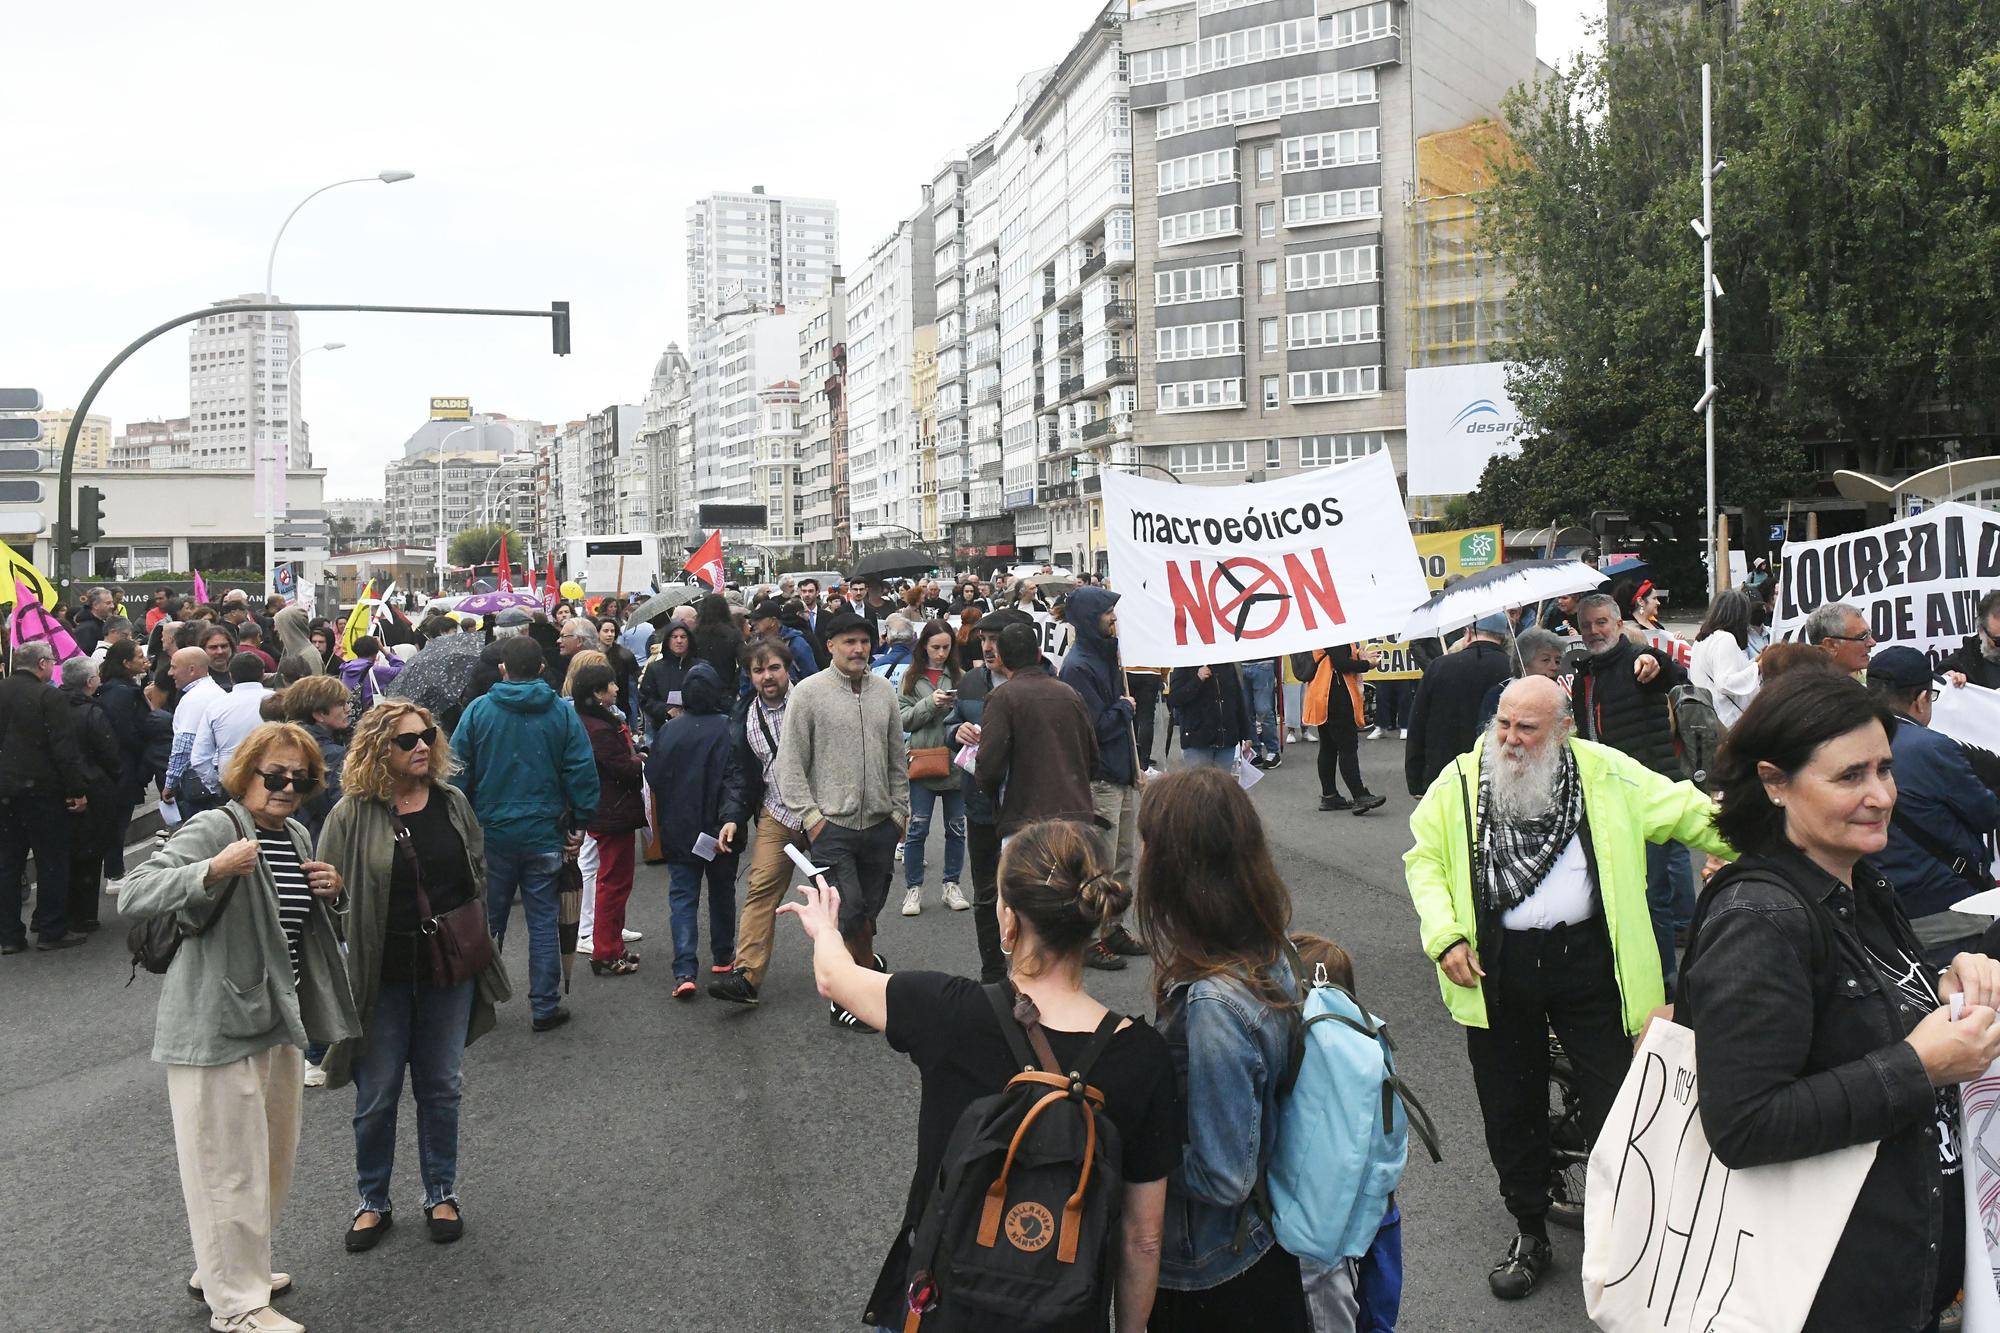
(406,847)
(229,885)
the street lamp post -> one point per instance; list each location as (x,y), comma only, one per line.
(281,474)
(268,475)
(486,509)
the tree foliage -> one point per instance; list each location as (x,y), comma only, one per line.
(1855,239)
(481,545)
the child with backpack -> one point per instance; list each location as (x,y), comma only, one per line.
(1041,1241)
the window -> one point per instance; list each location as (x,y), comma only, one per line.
(1176,286)
(1212,456)
(1307,210)
(1267,276)
(1342,382)
(1333,268)
(1267,335)
(1186,173)
(1271,398)
(1267,219)
(1327,328)
(1267,100)
(1326,450)
(1179,228)
(1339,148)
(1352,26)
(1184,342)
(1201,396)
(1267,159)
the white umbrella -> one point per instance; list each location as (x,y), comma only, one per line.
(1490,590)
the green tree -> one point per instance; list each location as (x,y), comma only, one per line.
(481,545)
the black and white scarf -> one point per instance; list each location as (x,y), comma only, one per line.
(1515,856)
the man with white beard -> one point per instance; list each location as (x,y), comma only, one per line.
(1529,879)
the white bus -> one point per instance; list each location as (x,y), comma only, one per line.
(615,563)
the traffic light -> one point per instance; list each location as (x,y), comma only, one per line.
(89,515)
(559,327)
(1072,467)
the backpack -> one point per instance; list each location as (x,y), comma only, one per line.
(1344,1121)
(1697,731)
(1026,1202)
(155,941)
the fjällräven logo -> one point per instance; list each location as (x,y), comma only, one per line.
(1030,1226)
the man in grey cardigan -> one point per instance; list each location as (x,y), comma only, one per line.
(843,766)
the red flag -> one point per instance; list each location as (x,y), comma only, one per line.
(506,567)
(529,571)
(550,590)
(706,564)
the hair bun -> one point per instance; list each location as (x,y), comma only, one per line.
(1102,898)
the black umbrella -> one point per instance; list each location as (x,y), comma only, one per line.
(435,678)
(896,562)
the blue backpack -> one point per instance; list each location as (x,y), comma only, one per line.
(1344,1121)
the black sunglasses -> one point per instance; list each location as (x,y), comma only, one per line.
(303,783)
(407,741)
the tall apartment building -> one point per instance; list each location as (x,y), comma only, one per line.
(890,296)
(824,530)
(924,414)
(160,444)
(607,436)
(485,464)
(663,453)
(1276,147)
(239,399)
(776,471)
(94,443)
(1037,294)
(750,257)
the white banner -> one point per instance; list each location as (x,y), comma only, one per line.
(1978,1102)
(1234,573)
(1918,580)
(1460,419)
(1969,715)
(1675,1242)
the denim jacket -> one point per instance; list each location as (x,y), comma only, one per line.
(1230,1051)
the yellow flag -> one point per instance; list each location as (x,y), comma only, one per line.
(358,619)
(14,565)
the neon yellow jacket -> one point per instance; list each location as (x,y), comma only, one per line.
(1627,806)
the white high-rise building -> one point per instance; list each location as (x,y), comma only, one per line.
(237,390)
(890,296)
(823,431)
(750,257)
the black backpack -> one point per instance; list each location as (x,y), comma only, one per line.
(1026,1202)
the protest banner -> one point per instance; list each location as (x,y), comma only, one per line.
(1979,1133)
(17,568)
(1676,1242)
(1671,644)
(1236,573)
(1443,555)
(1918,580)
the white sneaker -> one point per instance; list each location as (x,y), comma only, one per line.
(913,901)
(1374,734)
(1291,738)
(265,1320)
(634,936)
(953,898)
(315,1076)
(583,944)
(1312,735)
(899,851)
(1404,733)
(112,886)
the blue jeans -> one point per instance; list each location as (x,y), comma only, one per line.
(534,875)
(1261,679)
(423,1030)
(1217,757)
(684,881)
(1669,900)
(922,801)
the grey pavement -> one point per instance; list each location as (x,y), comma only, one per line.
(660,1165)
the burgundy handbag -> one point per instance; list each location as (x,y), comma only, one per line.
(457,942)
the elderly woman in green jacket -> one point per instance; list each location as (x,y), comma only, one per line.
(258,976)
(401,828)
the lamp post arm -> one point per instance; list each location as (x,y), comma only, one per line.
(271,264)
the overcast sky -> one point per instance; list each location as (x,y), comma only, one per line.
(153,150)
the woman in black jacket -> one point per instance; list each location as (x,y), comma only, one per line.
(103,763)
(122,698)
(660,688)
(1213,710)
(717,641)
(624,664)
(1817,1023)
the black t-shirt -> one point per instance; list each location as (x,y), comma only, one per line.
(441,860)
(945,1024)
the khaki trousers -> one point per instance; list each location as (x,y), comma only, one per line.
(236,1132)
(1118,806)
(771,873)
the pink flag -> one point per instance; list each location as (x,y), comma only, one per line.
(200,588)
(34,624)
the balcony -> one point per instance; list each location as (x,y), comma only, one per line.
(1121,368)
(991,395)
(982,278)
(1118,425)
(1070,338)
(1071,386)
(1048,294)
(1119,312)
(991,471)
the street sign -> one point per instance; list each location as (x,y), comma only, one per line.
(20,460)
(20,430)
(16,523)
(20,400)
(1778,532)
(20,491)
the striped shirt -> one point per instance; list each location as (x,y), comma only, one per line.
(281,858)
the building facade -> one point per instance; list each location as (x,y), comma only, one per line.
(923,412)
(890,296)
(663,448)
(823,527)
(240,398)
(155,444)
(483,465)
(777,470)
(94,443)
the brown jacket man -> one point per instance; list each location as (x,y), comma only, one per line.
(1037,745)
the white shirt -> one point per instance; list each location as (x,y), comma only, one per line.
(1720,666)
(224,724)
(1562,898)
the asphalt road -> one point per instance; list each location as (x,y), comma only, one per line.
(664,1166)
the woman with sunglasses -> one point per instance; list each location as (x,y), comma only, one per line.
(244,995)
(401,829)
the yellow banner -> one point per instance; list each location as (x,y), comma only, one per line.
(1461,551)
(15,566)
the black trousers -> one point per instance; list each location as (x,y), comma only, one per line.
(1542,979)
(37,823)
(1146,687)
(1337,746)
(982,850)
(1269,1297)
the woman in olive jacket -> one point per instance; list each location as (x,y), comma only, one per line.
(259,978)
(395,782)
